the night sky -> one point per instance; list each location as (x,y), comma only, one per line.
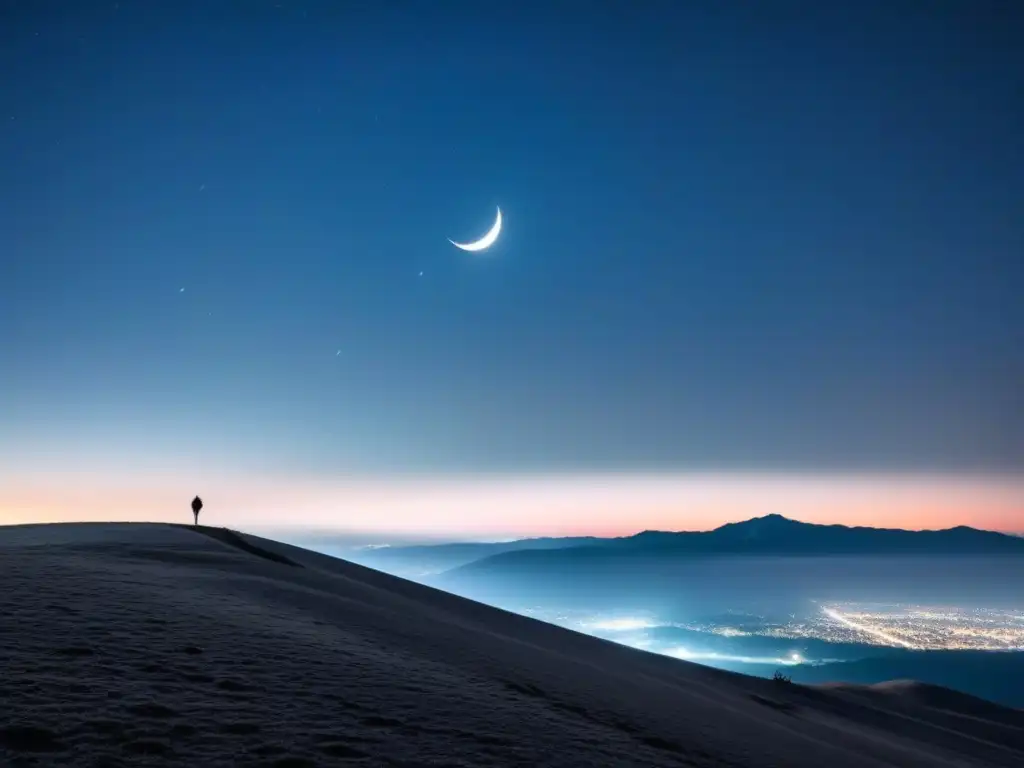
(744,237)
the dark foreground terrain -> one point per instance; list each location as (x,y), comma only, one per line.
(163,645)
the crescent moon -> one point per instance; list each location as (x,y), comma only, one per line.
(484,242)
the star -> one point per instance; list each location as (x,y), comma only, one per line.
(181,290)
(421,274)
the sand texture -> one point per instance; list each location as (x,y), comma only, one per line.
(150,644)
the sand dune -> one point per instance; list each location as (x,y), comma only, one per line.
(160,645)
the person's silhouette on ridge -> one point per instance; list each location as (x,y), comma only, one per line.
(197,504)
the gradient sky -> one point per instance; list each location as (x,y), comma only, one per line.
(770,244)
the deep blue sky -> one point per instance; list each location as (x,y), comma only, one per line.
(737,235)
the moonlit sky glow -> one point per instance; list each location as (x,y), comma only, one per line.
(499,507)
(758,258)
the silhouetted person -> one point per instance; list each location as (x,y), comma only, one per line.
(197,504)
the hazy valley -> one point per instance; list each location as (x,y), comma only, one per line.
(821,603)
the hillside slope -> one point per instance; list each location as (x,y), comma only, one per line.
(161,645)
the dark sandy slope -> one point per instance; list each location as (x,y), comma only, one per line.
(158,645)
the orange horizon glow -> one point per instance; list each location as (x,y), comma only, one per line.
(518,506)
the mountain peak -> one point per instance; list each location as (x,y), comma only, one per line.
(774,517)
(773,520)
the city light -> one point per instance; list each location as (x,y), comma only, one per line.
(910,626)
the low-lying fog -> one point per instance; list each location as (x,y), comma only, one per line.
(936,618)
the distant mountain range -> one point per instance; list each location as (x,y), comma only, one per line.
(765,536)
(426,559)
